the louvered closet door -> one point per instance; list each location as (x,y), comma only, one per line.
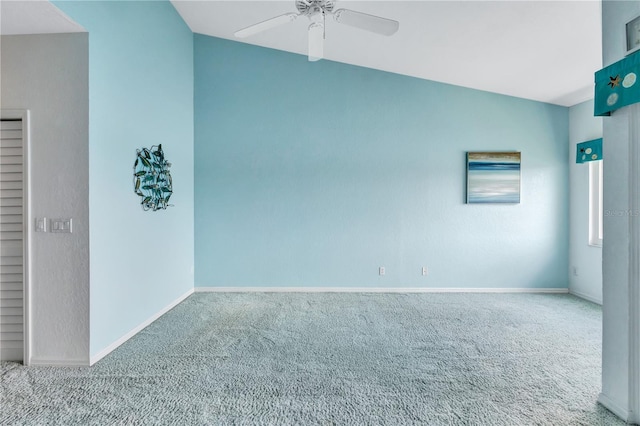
(11,242)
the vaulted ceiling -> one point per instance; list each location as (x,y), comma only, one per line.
(540,50)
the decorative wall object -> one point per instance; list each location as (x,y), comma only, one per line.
(633,35)
(589,151)
(493,177)
(616,85)
(151,178)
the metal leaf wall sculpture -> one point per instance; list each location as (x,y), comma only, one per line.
(151,178)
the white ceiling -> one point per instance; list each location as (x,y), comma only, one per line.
(541,50)
(34,17)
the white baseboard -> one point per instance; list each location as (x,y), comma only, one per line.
(106,351)
(43,362)
(614,408)
(374,290)
(586,297)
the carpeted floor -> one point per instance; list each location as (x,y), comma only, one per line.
(327,358)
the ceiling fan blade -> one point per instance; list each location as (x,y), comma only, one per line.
(367,22)
(266,25)
(316,41)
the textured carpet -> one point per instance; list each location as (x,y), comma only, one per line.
(292,358)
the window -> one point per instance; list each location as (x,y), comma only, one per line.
(595,203)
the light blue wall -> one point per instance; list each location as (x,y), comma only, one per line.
(315,174)
(140,94)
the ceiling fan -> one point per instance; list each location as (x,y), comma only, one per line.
(316,11)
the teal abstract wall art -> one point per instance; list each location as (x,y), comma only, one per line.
(493,177)
(152,179)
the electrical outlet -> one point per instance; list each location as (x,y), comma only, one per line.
(425,271)
(381,270)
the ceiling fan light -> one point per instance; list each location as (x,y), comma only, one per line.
(316,41)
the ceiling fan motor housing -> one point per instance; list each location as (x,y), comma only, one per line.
(316,11)
(311,7)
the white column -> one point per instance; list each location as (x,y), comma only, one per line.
(621,264)
(634,266)
(621,245)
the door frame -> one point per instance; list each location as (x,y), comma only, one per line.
(23,114)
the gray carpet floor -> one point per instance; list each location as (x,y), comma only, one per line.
(346,359)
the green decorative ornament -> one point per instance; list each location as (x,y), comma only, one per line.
(152,179)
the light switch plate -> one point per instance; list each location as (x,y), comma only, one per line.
(62,225)
(41,224)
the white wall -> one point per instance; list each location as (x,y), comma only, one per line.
(584,259)
(48,74)
(619,368)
